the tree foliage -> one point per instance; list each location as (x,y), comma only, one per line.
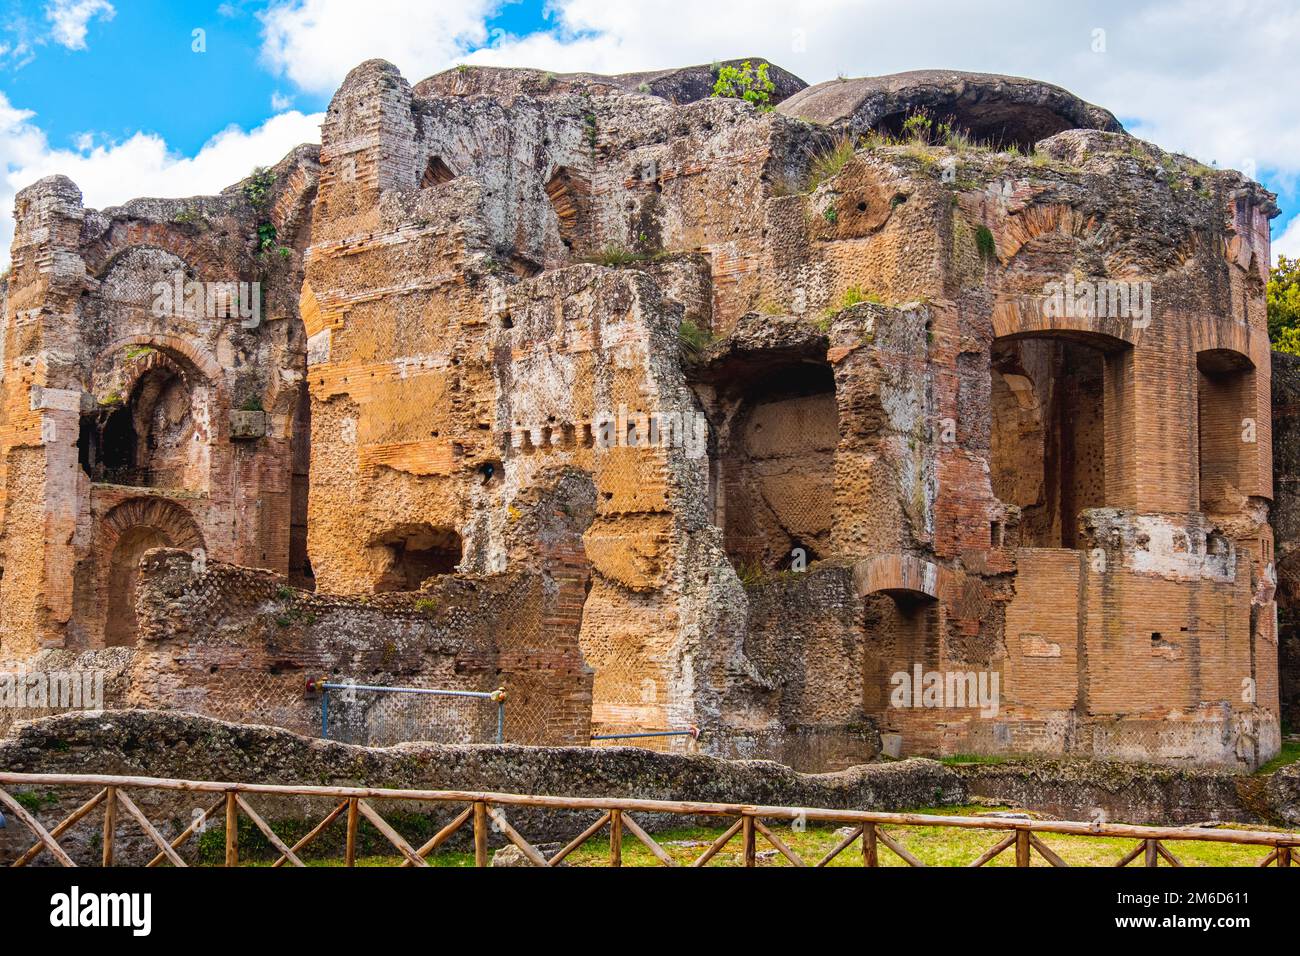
(1284,306)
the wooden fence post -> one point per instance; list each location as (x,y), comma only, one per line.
(870,856)
(232,828)
(747,835)
(616,838)
(480,834)
(1022,848)
(110,824)
(1152,854)
(350,854)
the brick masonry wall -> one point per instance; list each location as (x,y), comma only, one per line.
(242,645)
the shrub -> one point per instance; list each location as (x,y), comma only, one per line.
(257,188)
(918,127)
(747,83)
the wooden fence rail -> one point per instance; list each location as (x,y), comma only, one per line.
(483,810)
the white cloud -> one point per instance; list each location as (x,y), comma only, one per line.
(140,166)
(280,102)
(1200,76)
(71,17)
(315,42)
(1288,243)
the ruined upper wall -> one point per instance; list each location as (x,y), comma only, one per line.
(1003,110)
(685,84)
(153,368)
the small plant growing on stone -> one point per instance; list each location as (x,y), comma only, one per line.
(284,593)
(614,256)
(257,188)
(830,215)
(985,243)
(253,403)
(426,605)
(851,296)
(747,83)
(829,162)
(750,572)
(692,338)
(265,236)
(918,127)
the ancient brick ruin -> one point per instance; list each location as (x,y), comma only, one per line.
(661,410)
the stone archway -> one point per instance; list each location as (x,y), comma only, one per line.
(128,531)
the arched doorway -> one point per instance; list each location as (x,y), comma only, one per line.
(774,471)
(1053,398)
(149,429)
(128,531)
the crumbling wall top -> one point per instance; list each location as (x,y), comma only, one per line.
(988,106)
(684,84)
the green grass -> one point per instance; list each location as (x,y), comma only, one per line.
(692,339)
(616,256)
(828,163)
(935,846)
(976,758)
(1289,754)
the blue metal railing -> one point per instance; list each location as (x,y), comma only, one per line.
(498,696)
(692,732)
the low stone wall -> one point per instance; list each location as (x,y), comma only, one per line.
(1281,795)
(239,644)
(1079,789)
(185,746)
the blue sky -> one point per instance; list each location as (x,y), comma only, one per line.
(113,93)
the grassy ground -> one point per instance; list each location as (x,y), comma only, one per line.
(1289,754)
(936,846)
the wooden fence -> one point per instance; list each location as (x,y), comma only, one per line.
(483,811)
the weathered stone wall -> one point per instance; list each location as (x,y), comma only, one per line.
(240,644)
(182,746)
(1075,789)
(501,274)
(135,418)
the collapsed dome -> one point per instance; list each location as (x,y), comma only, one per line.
(1001,110)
